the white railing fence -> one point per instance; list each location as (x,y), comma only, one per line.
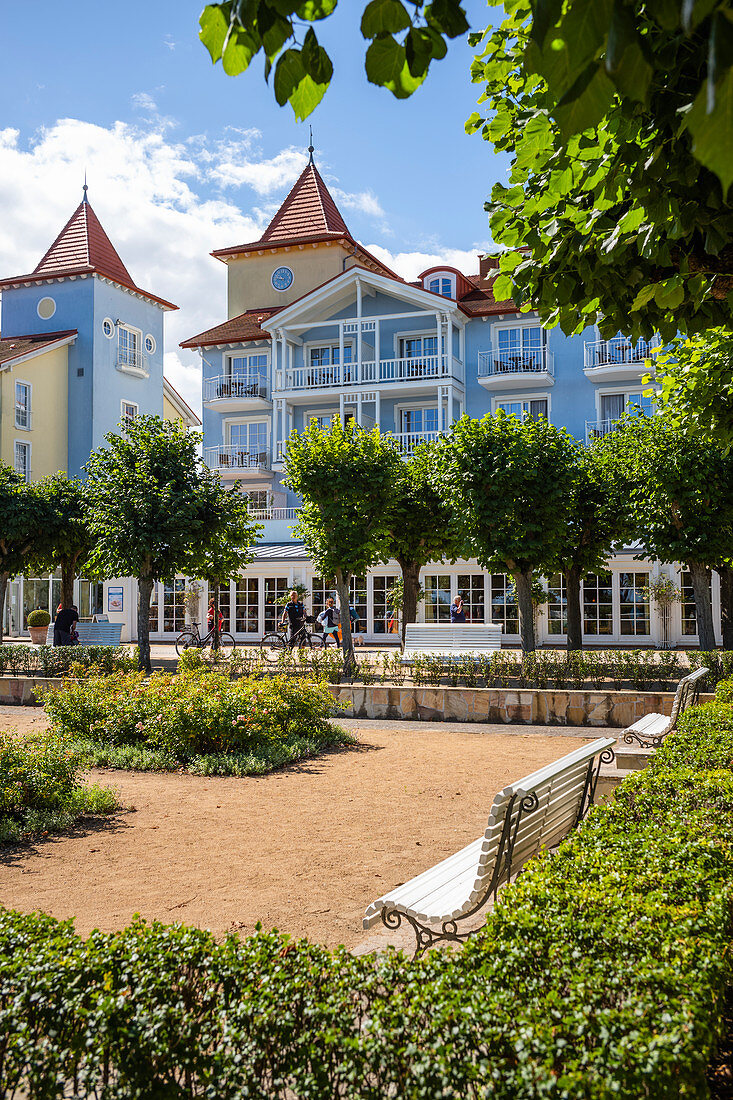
(369,372)
(515,361)
(408,441)
(130,360)
(274,513)
(231,456)
(227,387)
(619,350)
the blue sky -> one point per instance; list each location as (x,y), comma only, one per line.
(182,158)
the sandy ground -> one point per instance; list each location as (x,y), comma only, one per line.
(304,850)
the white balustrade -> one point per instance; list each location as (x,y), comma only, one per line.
(386,371)
(229,387)
(597,429)
(274,513)
(515,361)
(619,350)
(132,362)
(408,441)
(233,456)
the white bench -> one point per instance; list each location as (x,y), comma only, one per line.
(533,813)
(651,730)
(450,640)
(93,633)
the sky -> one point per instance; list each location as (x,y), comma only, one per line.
(181,159)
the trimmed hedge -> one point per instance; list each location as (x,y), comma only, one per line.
(48,660)
(600,975)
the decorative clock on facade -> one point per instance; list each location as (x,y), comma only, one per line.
(282,278)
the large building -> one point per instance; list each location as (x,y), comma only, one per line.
(317,326)
(81,350)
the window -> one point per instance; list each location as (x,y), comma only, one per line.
(258,500)
(174,606)
(323,420)
(324,362)
(23,460)
(129,412)
(276,588)
(687,604)
(358,595)
(437,599)
(471,591)
(225,606)
(108,328)
(634,605)
(415,347)
(443,285)
(598,604)
(321,589)
(385,621)
(520,348)
(614,405)
(149,344)
(504,608)
(250,439)
(91,599)
(419,420)
(247,612)
(128,348)
(23,405)
(245,376)
(153,620)
(557,618)
(525,410)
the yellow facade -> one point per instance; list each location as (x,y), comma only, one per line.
(249,284)
(170,412)
(48,376)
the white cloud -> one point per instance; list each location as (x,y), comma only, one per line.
(366,202)
(410,264)
(144,101)
(184,376)
(235,166)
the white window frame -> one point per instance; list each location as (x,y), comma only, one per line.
(109,335)
(506,399)
(626,389)
(124,419)
(23,427)
(329,342)
(521,322)
(141,347)
(420,334)
(231,356)
(233,421)
(441,275)
(415,406)
(29,451)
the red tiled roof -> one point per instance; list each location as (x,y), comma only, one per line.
(83,248)
(308,211)
(13,347)
(237,330)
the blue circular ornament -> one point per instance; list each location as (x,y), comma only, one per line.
(282,278)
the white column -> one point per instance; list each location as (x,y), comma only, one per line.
(341,406)
(376,351)
(341,348)
(358,329)
(358,408)
(449,345)
(462,351)
(273,430)
(449,412)
(377,409)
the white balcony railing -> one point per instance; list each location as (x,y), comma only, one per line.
(408,441)
(499,361)
(227,387)
(273,513)
(596,429)
(617,352)
(133,362)
(385,371)
(232,456)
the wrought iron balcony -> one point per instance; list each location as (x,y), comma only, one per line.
(132,362)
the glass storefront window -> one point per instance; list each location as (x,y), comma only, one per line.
(504,608)
(321,589)
(471,591)
(275,589)
(437,598)
(225,607)
(247,620)
(598,604)
(153,624)
(557,605)
(634,607)
(359,599)
(91,599)
(385,622)
(174,606)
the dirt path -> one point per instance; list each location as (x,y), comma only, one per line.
(304,850)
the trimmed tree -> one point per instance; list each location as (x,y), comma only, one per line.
(68,539)
(510,482)
(423,522)
(23,520)
(680,501)
(345,478)
(156,511)
(597,518)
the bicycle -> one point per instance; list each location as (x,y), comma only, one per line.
(190,639)
(277,642)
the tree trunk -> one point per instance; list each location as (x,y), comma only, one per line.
(572,607)
(523,582)
(410,589)
(726,604)
(4,577)
(342,590)
(216,641)
(67,584)
(703,604)
(144,592)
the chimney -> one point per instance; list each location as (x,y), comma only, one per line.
(487,263)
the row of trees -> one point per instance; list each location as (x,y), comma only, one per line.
(521,497)
(148,508)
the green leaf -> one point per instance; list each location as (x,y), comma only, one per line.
(384,17)
(315,9)
(644,296)
(294,85)
(241,47)
(214,23)
(666,12)
(625,62)
(577,41)
(447,16)
(712,133)
(274,31)
(584,105)
(546,15)
(670,294)
(316,61)
(386,65)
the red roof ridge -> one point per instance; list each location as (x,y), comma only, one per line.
(307,210)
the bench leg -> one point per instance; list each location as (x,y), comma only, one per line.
(425,936)
(646,742)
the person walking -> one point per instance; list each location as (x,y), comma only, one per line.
(210,616)
(330,617)
(63,626)
(294,614)
(457,611)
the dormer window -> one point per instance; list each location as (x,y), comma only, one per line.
(442,284)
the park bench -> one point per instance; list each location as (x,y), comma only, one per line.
(93,633)
(450,640)
(534,813)
(651,730)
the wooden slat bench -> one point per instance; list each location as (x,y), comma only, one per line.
(93,633)
(533,813)
(651,730)
(450,640)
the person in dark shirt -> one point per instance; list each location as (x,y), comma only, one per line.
(294,613)
(457,611)
(63,627)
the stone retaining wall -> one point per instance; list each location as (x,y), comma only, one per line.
(20,691)
(529,706)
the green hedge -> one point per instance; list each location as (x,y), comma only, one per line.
(600,975)
(48,660)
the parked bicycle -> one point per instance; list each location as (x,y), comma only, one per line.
(190,638)
(277,642)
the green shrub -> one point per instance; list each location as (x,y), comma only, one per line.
(600,974)
(202,718)
(46,660)
(39,617)
(39,786)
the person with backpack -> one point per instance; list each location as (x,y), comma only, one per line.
(330,618)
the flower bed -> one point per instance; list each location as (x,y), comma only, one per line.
(40,790)
(600,974)
(205,721)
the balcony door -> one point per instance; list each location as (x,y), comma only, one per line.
(520,348)
(248,442)
(246,376)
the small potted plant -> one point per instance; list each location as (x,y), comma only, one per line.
(38,621)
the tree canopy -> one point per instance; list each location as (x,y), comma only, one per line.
(404,38)
(695,375)
(67,540)
(24,517)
